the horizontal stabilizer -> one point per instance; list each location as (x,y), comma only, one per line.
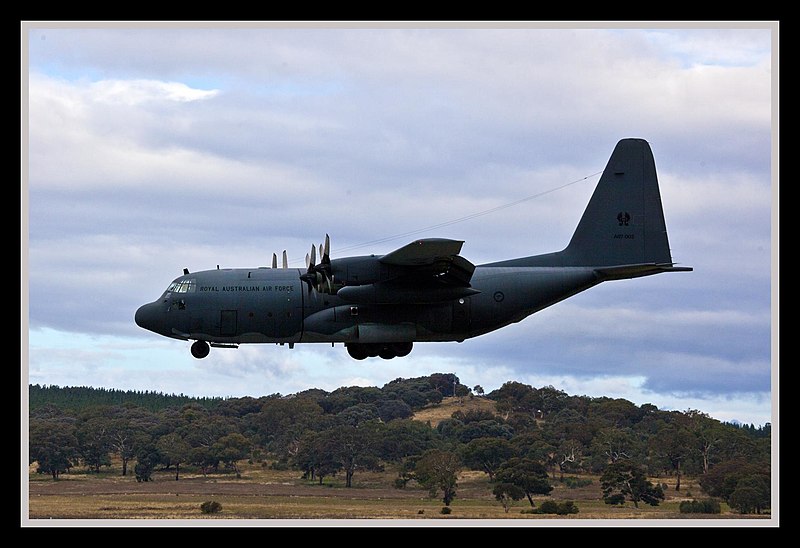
(636,270)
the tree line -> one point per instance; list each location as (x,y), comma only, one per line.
(535,436)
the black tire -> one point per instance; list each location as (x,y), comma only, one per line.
(200,349)
(402,349)
(387,352)
(357,351)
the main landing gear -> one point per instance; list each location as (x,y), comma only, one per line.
(387,351)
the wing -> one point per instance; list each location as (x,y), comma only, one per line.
(425,271)
(423,252)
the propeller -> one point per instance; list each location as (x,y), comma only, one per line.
(275,260)
(319,276)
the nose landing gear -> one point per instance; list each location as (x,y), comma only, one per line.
(200,349)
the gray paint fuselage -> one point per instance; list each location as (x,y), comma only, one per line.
(265,305)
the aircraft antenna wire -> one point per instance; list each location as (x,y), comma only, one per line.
(468,217)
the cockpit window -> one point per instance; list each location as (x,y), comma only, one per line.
(182,286)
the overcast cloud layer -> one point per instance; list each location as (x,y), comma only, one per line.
(151,150)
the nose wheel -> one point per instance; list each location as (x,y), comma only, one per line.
(200,349)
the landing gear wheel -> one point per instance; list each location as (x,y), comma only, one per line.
(402,349)
(357,351)
(387,352)
(200,349)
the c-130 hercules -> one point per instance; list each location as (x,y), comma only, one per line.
(380,305)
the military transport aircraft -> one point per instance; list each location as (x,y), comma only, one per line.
(380,305)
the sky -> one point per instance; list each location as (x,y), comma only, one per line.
(149,148)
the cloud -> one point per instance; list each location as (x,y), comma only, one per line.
(151,150)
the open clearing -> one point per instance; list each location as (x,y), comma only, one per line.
(265,494)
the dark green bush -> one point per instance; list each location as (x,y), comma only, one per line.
(446,510)
(567,507)
(211,507)
(573,482)
(548,507)
(706,506)
(553,507)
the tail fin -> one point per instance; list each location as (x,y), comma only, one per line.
(624,221)
(622,232)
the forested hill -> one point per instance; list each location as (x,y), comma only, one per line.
(352,428)
(416,393)
(81,397)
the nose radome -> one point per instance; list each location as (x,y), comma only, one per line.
(146,316)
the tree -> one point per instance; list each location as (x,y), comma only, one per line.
(568,424)
(392,409)
(401,438)
(478,389)
(527,474)
(723,478)
(146,459)
(349,396)
(232,448)
(173,450)
(203,434)
(751,495)
(614,413)
(625,479)
(438,470)
(568,456)
(444,383)
(615,444)
(461,392)
(128,430)
(493,428)
(506,492)
(515,397)
(282,422)
(315,457)
(487,454)
(93,442)
(708,433)
(674,443)
(52,445)
(351,448)
(549,400)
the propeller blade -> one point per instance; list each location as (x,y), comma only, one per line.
(318,277)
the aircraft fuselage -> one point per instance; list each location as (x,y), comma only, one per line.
(266,305)
(425,290)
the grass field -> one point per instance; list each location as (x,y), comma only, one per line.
(263,496)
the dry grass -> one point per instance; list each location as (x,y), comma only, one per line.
(274,496)
(437,413)
(265,494)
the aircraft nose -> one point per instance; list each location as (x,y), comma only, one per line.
(148,316)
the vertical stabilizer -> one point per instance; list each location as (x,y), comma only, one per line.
(623,225)
(624,221)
